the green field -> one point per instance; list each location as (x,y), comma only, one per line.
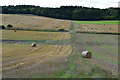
(98,22)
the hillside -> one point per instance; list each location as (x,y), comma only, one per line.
(58,54)
(34,22)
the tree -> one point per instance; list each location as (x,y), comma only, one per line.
(9,26)
(2,27)
(62,30)
(65,12)
(79,14)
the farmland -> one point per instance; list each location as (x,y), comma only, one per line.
(34,22)
(19,53)
(34,35)
(104,48)
(20,58)
(51,51)
(58,54)
(97,26)
(104,62)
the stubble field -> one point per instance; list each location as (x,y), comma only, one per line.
(58,54)
(34,22)
(97,26)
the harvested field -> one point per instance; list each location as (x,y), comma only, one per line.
(102,46)
(58,54)
(104,50)
(34,22)
(104,61)
(22,58)
(34,35)
(97,28)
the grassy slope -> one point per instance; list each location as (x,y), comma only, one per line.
(97,22)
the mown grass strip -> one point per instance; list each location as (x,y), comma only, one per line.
(59,73)
(101,57)
(39,76)
(97,54)
(66,72)
(98,22)
(95,72)
(54,42)
(113,49)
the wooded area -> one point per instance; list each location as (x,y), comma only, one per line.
(65,12)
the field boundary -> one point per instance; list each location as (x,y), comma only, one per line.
(52,42)
(110,22)
(107,33)
(21,29)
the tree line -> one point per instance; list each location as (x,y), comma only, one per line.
(8,26)
(65,12)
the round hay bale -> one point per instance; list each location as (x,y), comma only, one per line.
(86,54)
(33,45)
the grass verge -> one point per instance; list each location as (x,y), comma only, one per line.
(98,22)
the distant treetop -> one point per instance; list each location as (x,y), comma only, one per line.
(65,12)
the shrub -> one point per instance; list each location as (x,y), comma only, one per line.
(2,27)
(9,25)
(61,30)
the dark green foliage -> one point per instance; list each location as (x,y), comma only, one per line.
(9,25)
(2,27)
(62,30)
(65,12)
(23,29)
